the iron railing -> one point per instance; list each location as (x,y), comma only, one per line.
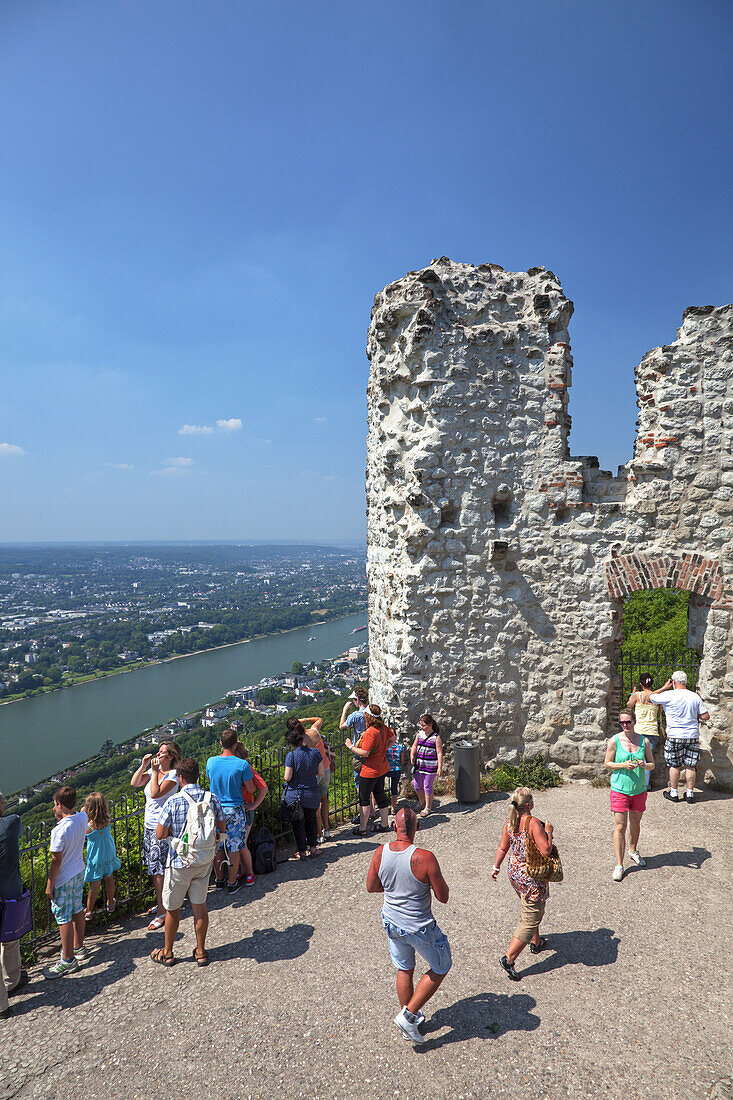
(133,886)
(659,664)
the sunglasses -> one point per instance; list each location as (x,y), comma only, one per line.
(625,722)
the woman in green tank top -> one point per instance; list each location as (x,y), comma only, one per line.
(628,758)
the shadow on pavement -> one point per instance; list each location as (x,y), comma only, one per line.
(596,948)
(693,859)
(485,1016)
(267,944)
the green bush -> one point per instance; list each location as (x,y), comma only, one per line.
(532,773)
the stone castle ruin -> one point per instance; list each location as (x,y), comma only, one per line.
(498,563)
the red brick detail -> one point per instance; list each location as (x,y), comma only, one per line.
(551,423)
(667,441)
(692,572)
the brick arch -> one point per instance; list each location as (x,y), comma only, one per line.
(628,573)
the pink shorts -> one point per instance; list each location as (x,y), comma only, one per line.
(620,803)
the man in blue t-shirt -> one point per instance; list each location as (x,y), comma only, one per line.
(227,775)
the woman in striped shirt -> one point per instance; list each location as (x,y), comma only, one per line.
(427,754)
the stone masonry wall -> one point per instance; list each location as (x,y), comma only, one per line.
(497,562)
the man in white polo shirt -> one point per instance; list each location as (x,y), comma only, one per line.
(683,711)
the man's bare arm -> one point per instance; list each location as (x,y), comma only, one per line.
(373,883)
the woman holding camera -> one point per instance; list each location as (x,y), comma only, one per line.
(303,770)
(157,774)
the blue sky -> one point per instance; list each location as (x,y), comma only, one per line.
(200,201)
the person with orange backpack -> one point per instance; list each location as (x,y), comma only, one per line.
(252,799)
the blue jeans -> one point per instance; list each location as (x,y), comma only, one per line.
(429,942)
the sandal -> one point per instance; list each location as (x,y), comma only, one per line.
(201,960)
(88,916)
(156,924)
(152,911)
(358,832)
(159,956)
(535,948)
(111,908)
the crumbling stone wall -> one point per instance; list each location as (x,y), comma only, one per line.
(497,562)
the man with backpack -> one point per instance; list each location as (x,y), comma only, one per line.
(194,820)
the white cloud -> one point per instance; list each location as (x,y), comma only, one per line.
(11,449)
(195,429)
(320,420)
(233,425)
(173,467)
(118,465)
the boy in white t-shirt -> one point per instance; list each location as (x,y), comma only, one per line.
(65,886)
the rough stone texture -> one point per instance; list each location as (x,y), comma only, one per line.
(497,562)
(633,995)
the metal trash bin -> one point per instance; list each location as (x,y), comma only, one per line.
(467,766)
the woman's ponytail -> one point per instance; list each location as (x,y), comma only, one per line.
(521,798)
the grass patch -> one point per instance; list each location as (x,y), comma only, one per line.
(532,773)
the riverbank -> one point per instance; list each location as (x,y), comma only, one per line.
(50,731)
(95,677)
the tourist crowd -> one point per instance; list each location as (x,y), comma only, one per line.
(191,834)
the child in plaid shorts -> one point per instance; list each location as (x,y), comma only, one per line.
(65,885)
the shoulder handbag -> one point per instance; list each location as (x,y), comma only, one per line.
(543,868)
(16,917)
(291,811)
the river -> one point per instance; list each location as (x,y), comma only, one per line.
(39,736)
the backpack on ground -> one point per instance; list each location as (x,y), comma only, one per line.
(264,852)
(197,844)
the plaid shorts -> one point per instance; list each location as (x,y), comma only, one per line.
(682,752)
(68,899)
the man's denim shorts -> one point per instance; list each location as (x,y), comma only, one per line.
(429,942)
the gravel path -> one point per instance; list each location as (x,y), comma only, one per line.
(634,996)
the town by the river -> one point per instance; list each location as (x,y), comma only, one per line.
(43,734)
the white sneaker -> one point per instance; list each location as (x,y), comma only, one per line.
(82,954)
(409,1027)
(419,1017)
(618,872)
(637,858)
(60,968)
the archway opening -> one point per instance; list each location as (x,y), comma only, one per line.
(663,629)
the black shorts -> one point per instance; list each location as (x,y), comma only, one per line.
(394,783)
(369,787)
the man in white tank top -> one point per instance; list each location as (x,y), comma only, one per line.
(408,876)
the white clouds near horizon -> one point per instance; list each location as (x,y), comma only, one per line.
(118,465)
(233,424)
(11,449)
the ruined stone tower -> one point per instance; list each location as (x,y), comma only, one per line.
(497,563)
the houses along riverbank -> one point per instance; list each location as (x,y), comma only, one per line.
(45,734)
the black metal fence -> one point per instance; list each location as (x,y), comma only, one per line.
(133,884)
(659,664)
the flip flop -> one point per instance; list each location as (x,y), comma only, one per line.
(156,924)
(201,960)
(152,911)
(159,956)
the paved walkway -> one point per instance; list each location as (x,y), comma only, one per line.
(634,998)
